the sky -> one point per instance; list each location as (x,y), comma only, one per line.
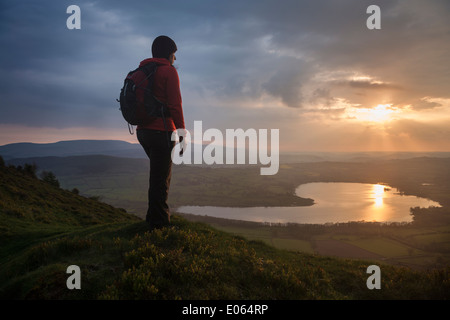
(312,69)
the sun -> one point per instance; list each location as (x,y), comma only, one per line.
(380,113)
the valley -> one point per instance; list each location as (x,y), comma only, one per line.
(425,243)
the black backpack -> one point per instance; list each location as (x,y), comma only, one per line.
(137,102)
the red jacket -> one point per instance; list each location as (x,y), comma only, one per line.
(166,88)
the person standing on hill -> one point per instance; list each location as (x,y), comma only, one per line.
(153,136)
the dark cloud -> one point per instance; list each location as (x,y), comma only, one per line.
(287,81)
(425,105)
(295,52)
(371,85)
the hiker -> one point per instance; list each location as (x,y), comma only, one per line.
(154,137)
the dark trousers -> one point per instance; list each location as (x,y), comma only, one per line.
(158,149)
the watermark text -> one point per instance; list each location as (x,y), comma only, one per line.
(236,146)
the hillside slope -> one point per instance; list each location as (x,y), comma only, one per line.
(32,211)
(44,229)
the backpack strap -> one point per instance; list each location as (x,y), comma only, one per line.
(150,69)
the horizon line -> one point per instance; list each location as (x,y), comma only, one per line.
(207,143)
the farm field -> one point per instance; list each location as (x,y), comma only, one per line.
(425,243)
(405,246)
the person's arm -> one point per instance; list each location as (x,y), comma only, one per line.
(174,102)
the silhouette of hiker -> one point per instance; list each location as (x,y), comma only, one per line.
(153,136)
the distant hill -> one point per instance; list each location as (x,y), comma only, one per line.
(125,149)
(72,148)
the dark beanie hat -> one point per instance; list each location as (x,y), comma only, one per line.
(163,47)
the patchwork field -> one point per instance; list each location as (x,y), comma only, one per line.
(123,183)
(406,246)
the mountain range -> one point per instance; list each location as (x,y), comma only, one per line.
(115,148)
(123,149)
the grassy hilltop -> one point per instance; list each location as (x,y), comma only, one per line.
(44,229)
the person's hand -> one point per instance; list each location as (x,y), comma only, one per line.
(182,142)
(180,139)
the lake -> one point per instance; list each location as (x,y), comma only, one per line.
(333,202)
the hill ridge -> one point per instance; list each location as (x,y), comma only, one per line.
(72,148)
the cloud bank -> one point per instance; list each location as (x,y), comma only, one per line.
(286,64)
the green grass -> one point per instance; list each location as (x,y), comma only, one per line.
(45,229)
(293,244)
(268,236)
(405,245)
(195,261)
(382,246)
(432,238)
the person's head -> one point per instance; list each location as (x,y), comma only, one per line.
(164,47)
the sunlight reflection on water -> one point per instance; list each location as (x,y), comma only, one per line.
(333,202)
